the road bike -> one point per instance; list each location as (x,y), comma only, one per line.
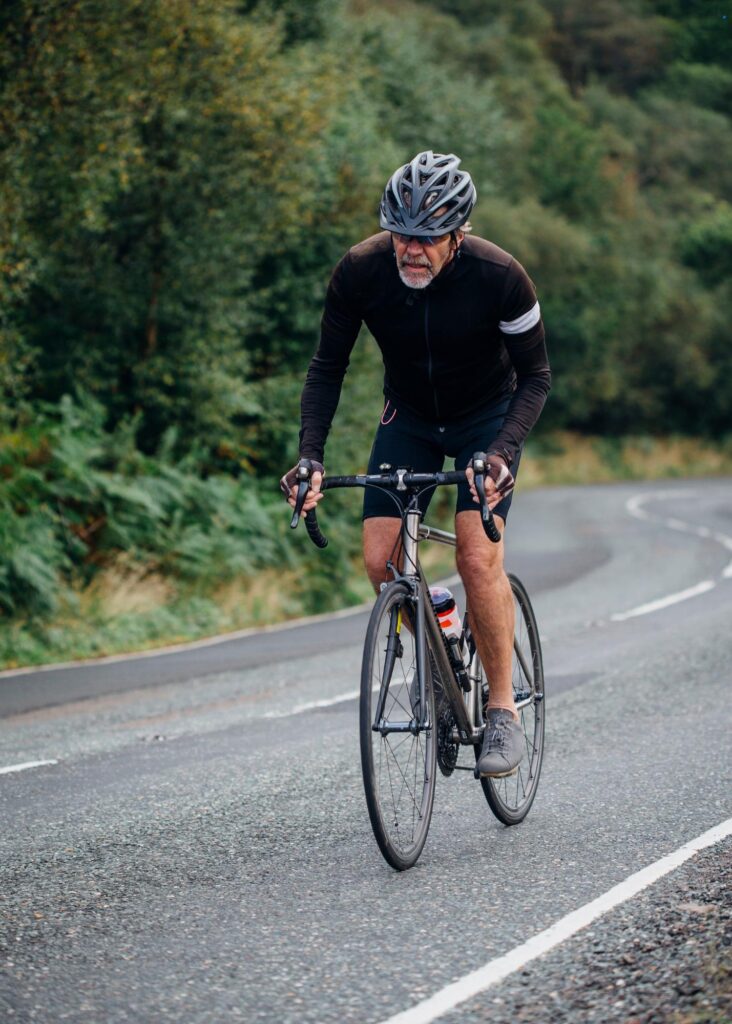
(422,693)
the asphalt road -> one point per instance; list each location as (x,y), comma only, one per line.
(200,851)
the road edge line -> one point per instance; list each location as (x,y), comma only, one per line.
(497,970)
(9,769)
(209,641)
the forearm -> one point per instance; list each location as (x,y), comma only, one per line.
(318,405)
(523,412)
(339,329)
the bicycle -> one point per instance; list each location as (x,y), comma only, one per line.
(421,698)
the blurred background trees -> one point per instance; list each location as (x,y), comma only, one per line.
(177,179)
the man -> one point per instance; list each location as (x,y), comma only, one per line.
(466,370)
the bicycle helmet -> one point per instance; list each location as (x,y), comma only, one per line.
(431,182)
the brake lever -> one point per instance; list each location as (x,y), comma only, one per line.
(303,475)
(489,523)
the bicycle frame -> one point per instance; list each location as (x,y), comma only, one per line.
(465,707)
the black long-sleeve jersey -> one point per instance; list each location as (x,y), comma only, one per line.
(473,336)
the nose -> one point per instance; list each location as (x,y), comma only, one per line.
(415,247)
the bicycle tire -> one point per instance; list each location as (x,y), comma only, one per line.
(399,768)
(511,798)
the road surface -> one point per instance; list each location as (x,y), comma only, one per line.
(189,840)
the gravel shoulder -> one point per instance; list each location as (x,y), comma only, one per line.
(664,957)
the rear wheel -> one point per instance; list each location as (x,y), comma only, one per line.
(510,798)
(398,758)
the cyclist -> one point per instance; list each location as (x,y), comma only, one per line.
(459,327)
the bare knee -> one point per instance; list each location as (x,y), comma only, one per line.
(474,568)
(477,558)
(380,544)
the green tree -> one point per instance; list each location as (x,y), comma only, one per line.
(155,149)
(707,245)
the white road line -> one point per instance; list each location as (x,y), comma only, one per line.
(311,705)
(496,970)
(191,645)
(23,767)
(664,602)
(210,641)
(634,507)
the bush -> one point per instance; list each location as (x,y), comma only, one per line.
(77,495)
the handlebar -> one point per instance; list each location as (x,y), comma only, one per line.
(398,480)
(489,523)
(304,472)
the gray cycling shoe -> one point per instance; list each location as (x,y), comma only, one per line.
(503,745)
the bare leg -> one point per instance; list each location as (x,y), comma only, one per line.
(380,545)
(490,603)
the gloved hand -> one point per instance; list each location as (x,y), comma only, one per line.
(499,473)
(499,479)
(289,483)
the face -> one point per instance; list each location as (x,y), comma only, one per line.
(419,263)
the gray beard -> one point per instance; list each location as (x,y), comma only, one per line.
(422,283)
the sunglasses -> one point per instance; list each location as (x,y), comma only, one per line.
(422,239)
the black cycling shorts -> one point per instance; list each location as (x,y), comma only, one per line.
(405,440)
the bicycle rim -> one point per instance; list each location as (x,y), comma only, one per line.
(398,767)
(510,798)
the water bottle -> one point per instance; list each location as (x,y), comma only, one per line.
(447,611)
(449,618)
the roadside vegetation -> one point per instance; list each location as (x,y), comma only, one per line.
(177,181)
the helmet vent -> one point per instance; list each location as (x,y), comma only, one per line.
(430,194)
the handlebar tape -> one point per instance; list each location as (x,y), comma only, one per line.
(489,524)
(314,533)
(311,520)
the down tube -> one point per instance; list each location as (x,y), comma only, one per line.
(437,646)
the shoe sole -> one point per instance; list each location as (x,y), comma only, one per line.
(498,775)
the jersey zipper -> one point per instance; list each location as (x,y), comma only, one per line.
(429,351)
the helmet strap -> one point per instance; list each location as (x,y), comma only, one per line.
(456,245)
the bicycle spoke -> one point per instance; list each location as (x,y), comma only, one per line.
(398,765)
(396,798)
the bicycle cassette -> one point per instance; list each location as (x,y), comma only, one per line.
(447,751)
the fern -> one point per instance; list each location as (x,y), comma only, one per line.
(77,495)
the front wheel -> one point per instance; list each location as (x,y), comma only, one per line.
(510,798)
(398,757)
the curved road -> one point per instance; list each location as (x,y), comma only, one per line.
(198,848)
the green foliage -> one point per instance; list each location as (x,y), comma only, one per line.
(147,200)
(619,40)
(704,85)
(75,496)
(177,180)
(701,32)
(301,22)
(566,158)
(707,245)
